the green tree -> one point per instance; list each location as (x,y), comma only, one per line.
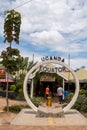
(12,26)
(30,65)
(11,57)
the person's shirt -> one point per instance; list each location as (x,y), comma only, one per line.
(47,90)
(66,93)
(60,91)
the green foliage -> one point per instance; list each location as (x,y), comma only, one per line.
(19,83)
(13,87)
(81,103)
(69,97)
(20,97)
(20,90)
(15,108)
(36,101)
(24,63)
(82,91)
(84,86)
(30,65)
(12,26)
(85,93)
(11,59)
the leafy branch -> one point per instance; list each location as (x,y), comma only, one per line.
(12,26)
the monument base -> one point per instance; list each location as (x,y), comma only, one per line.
(28,117)
(50,111)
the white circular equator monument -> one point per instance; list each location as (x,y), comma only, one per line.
(65,109)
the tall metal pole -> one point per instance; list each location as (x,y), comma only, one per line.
(33,58)
(69,71)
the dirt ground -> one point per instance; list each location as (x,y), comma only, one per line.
(6,117)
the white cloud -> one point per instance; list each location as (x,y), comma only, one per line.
(78,63)
(43,22)
(48,37)
(76,4)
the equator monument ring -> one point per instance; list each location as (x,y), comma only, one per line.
(65,109)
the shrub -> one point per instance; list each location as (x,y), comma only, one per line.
(82,91)
(81,103)
(20,90)
(84,105)
(86,93)
(35,101)
(69,97)
(16,108)
(13,87)
(20,97)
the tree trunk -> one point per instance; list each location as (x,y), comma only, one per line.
(7,103)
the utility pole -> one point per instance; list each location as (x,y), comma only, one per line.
(33,58)
(69,71)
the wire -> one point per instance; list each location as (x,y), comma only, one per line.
(19,6)
(22,4)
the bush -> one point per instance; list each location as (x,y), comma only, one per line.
(35,101)
(20,90)
(13,87)
(20,97)
(81,103)
(15,108)
(69,97)
(84,105)
(85,93)
(82,91)
(18,108)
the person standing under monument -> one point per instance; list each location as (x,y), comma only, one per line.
(60,93)
(47,91)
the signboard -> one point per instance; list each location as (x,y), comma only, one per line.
(53,70)
(46,78)
(58,58)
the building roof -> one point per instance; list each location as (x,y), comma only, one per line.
(81,74)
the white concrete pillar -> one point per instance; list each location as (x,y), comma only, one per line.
(32,89)
(63,88)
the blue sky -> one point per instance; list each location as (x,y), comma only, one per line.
(50,28)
